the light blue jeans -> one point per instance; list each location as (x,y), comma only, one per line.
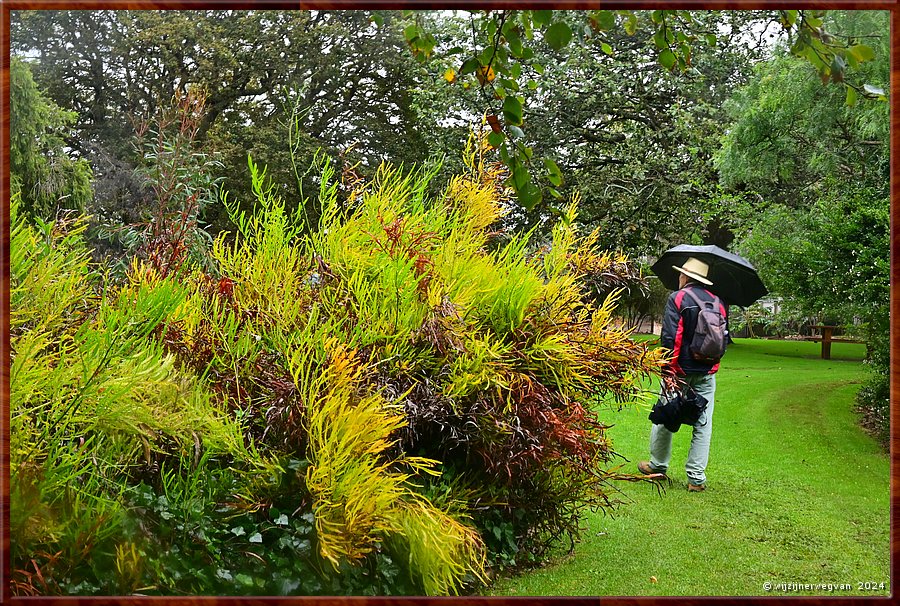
(698,456)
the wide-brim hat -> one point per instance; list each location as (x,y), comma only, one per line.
(696,269)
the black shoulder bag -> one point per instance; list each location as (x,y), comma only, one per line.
(683,407)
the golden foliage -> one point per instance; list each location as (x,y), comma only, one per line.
(362,498)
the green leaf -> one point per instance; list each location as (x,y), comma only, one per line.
(541,18)
(529,196)
(813,22)
(789,18)
(657,16)
(552,167)
(838,64)
(538,68)
(486,55)
(411,32)
(631,24)
(851,59)
(659,39)
(558,35)
(711,39)
(509,85)
(515,46)
(810,54)
(282,520)
(501,59)
(606,48)
(377,19)
(255,538)
(685,54)
(512,110)
(605,20)
(424,45)
(851,96)
(554,175)
(516,132)
(496,139)
(862,52)
(667,59)
(520,177)
(469,66)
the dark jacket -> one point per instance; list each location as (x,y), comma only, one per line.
(679,323)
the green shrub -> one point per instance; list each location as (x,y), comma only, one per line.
(494,356)
(94,401)
(365,407)
(873,399)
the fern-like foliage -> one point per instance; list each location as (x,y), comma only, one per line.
(425,388)
(94,398)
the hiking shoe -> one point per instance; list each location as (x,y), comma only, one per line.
(644,468)
(696,487)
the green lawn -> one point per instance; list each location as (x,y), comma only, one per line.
(797,493)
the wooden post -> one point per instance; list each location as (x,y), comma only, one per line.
(826,342)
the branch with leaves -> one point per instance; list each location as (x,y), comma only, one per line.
(501,61)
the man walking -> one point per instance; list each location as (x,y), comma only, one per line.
(686,368)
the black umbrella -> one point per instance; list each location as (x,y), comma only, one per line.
(733,279)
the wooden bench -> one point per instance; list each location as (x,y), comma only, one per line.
(827,338)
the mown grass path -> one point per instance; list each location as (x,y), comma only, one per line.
(797,493)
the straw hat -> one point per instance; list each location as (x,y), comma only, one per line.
(696,269)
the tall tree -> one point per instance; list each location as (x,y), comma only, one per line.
(504,44)
(792,134)
(350,79)
(814,158)
(43,170)
(633,139)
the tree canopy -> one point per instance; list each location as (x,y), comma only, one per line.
(346,80)
(798,155)
(504,45)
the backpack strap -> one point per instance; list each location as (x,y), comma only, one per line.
(700,304)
